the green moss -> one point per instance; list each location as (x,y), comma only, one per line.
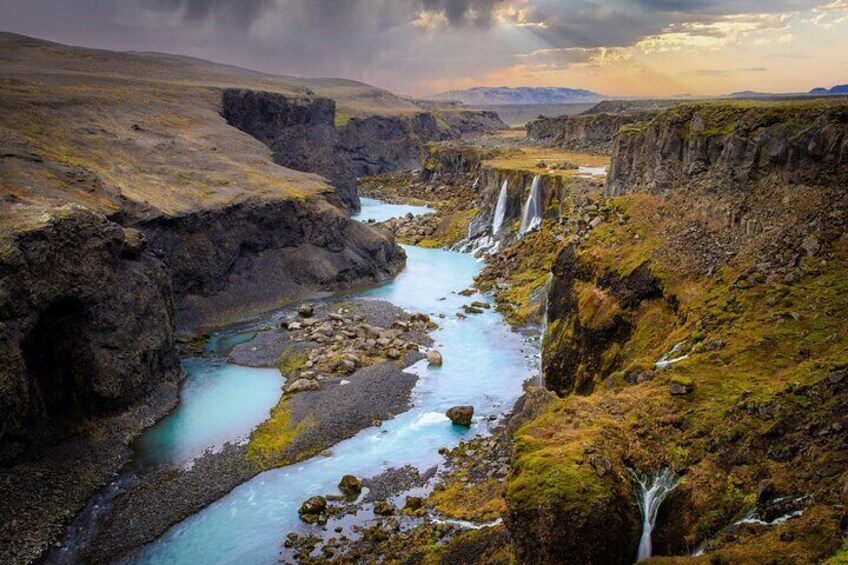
(341,119)
(597,309)
(682,380)
(270,442)
(840,558)
(548,469)
(291,360)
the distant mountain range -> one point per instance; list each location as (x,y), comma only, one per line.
(839,89)
(484,95)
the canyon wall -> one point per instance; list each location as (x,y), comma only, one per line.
(724,148)
(249,257)
(88,324)
(687,331)
(306,134)
(592,132)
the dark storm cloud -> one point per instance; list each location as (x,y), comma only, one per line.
(462,12)
(373,40)
(620,23)
(227,12)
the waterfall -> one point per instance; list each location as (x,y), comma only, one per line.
(651,493)
(500,210)
(532,216)
(546,288)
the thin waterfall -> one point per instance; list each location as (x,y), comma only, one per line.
(532,215)
(500,210)
(651,493)
(546,288)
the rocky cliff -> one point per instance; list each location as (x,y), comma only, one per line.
(88,324)
(689,330)
(722,147)
(249,257)
(583,132)
(300,131)
(305,133)
(128,211)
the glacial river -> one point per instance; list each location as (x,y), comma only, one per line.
(485,365)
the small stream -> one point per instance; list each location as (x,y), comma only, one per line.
(485,365)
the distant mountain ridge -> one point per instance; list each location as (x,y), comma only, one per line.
(838,89)
(483,95)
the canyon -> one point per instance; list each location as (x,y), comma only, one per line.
(224,292)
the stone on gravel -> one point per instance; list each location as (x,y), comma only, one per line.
(460,415)
(350,485)
(306,310)
(383,508)
(301,385)
(312,510)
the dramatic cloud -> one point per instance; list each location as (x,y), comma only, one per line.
(416,46)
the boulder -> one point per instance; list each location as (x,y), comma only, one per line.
(312,509)
(383,508)
(302,385)
(306,310)
(414,503)
(460,415)
(350,485)
(133,243)
(434,358)
(681,386)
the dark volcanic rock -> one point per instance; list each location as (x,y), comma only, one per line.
(585,132)
(557,532)
(461,415)
(85,330)
(731,147)
(231,261)
(302,133)
(89,361)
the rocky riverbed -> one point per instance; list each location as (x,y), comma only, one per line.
(150,500)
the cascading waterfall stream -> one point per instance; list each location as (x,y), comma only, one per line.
(532,216)
(545,291)
(651,493)
(500,210)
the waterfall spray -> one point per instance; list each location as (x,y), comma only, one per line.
(651,492)
(500,210)
(532,216)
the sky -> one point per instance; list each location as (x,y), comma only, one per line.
(420,47)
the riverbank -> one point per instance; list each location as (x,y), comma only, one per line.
(161,493)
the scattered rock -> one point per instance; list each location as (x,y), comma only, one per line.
(460,415)
(301,385)
(434,358)
(350,485)
(681,386)
(133,243)
(811,245)
(413,503)
(313,509)
(306,310)
(383,508)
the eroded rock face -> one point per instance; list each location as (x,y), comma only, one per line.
(728,148)
(587,312)
(586,132)
(560,531)
(250,255)
(302,133)
(87,327)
